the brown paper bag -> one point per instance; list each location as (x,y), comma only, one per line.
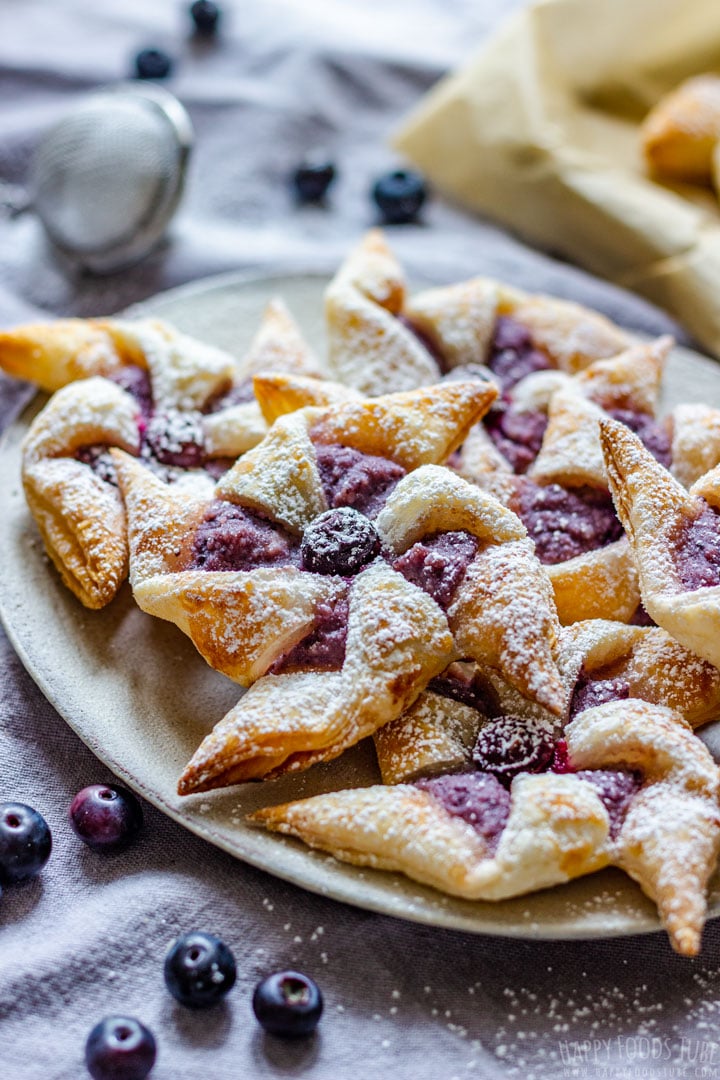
(540,131)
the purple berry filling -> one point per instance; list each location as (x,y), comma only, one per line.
(136,381)
(324,648)
(476,797)
(176,438)
(641,618)
(508,745)
(425,341)
(240,394)
(232,538)
(99,460)
(698,556)
(438,564)
(590,692)
(340,541)
(517,435)
(361,481)
(616,789)
(565,523)
(653,434)
(512,353)
(469,689)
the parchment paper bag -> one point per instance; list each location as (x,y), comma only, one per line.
(540,131)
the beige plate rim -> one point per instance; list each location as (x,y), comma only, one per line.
(47,627)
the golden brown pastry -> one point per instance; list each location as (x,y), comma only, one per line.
(369,347)
(680,133)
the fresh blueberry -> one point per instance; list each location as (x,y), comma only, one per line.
(508,745)
(120,1048)
(106,817)
(152,64)
(312,178)
(199,970)
(399,196)
(25,842)
(339,541)
(288,1003)
(205,15)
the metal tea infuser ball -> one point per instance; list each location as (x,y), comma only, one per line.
(107,178)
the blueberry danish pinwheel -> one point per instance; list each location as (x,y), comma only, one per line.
(184,408)
(336,572)
(637,790)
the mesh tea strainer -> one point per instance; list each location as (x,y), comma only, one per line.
(107,178)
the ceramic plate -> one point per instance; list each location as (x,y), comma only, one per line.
(135,690)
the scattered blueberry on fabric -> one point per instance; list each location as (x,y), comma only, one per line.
(199,970)
(25,842)
(312,179)
(120,1048)
(288,1004)
(153,64)
(400,196)
(106,817)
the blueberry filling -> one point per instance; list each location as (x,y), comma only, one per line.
(590,692)
(478,798)
(653,434)
(351,478)
(616,789)
(324,648)
(99,460)
(566,523)
(466,687)
(508,745)
(136,382)
(233,538)
(340,541)
(698,555)
(238,394)
(176,438)
(438,563)
(512,353)
(517,435)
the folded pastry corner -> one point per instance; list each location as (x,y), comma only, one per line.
(397,640)
(369,347)
(670,836)
(675,539)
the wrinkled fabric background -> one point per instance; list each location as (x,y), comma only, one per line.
(87,937)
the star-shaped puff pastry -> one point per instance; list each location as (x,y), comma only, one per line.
(144,387)
(644,798)
(398,636)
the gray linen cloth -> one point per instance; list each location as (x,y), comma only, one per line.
(87,937)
